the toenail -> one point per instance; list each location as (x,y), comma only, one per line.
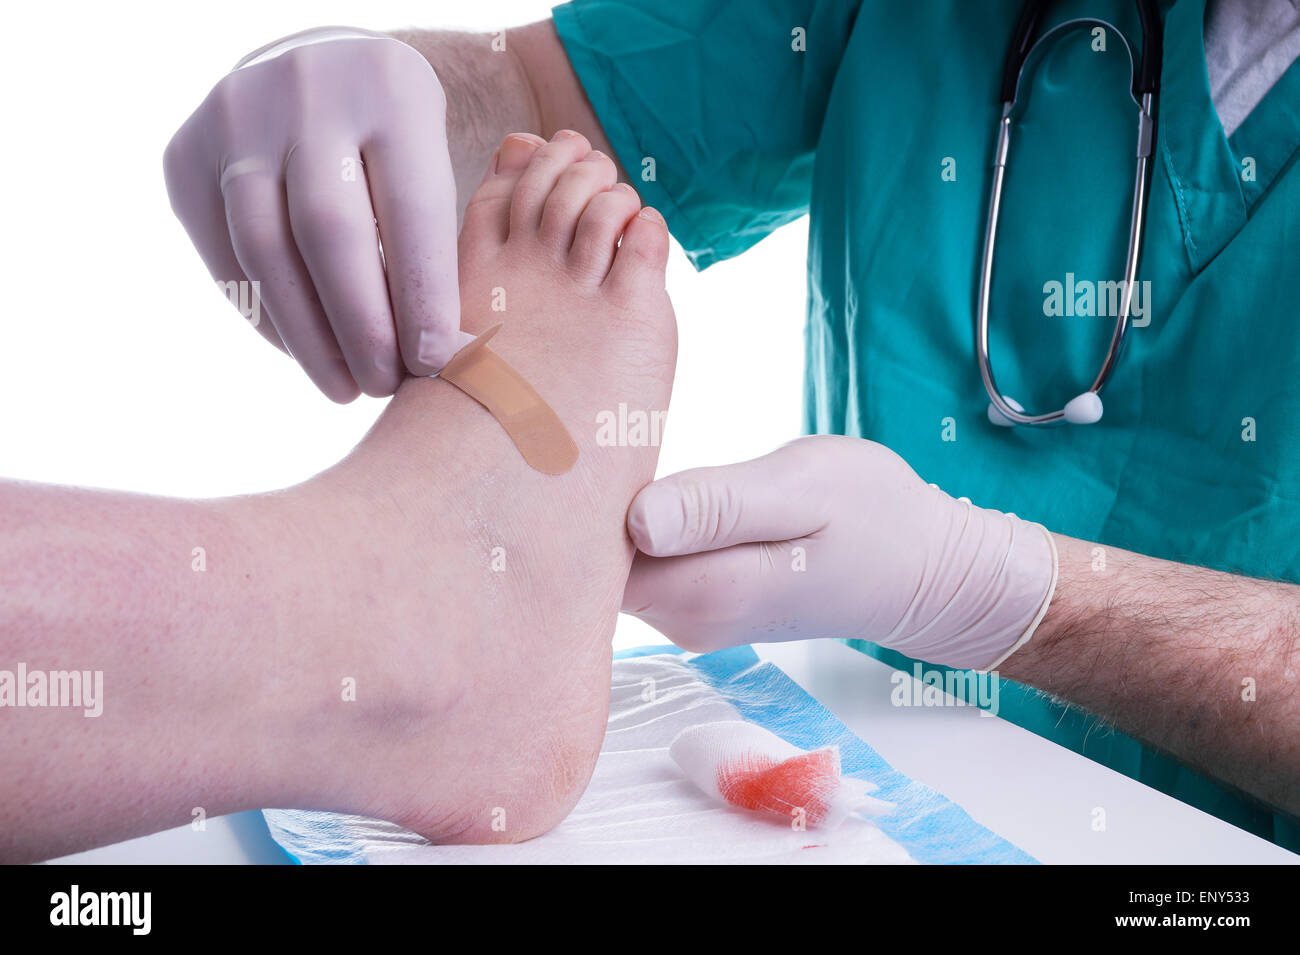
(565,134)
(515,153)
(626,187)
(650,214)
(595,154)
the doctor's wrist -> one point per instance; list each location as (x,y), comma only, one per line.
(989,583)
(1083,570)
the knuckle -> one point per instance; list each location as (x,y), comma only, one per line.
(305,63)
(560,152)
(174,156)
(226,110)
(257,234)
(407,75)
(299,73)
(225,94)
(178,166)
(327,225)
(230,96)
(700,518)
(591,171)
(432,97)
(602,204)
(604,167)
(615,204)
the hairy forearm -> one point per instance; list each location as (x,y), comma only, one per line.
(1198,663)
(488,96)
(496,84)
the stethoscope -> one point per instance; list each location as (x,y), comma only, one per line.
(1084,408)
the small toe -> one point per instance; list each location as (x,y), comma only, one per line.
(538,181)
(595,241)
(487,214)
(576,187)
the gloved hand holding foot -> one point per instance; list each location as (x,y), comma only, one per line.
(284,173)
(832,536)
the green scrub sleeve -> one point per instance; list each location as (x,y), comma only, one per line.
(714,107)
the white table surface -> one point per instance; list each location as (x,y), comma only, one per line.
(1033,792)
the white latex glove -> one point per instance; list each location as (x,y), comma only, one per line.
(280,178)
(835,537)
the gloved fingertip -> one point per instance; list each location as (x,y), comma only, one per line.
(434,347)
(655,523)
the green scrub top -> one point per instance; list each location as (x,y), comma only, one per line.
(878,119)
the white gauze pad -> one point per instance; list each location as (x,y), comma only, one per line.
(744,765)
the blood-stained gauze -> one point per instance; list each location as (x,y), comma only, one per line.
(532,425)
(744,765)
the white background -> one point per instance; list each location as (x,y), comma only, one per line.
(122,366)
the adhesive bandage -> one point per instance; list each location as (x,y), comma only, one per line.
(532,425)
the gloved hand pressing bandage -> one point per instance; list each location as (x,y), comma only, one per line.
(835,537)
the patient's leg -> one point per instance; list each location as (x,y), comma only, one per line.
(421,633)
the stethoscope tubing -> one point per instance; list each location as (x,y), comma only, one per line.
(1086,407)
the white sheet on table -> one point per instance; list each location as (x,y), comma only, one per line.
(638,808)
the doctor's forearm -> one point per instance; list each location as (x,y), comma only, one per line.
(1193,661)
(527,86)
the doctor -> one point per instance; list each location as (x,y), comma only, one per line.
(1149,583)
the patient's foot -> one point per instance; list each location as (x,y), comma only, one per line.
(477,595)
